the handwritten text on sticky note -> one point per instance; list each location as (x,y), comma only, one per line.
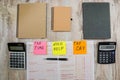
(59,48)
(40,47)
(80,47)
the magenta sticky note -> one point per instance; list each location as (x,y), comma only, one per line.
(40,47)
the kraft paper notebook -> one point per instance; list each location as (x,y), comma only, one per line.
(96,21)
(61,18)
(31,20)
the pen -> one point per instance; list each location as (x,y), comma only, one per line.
(61,59)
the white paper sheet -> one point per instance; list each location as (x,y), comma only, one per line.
(85,64)
(77,67)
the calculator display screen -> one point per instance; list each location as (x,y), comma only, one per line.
(107,47)
(16,47)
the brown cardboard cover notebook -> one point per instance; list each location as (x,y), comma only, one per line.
(32,20)
(61,18)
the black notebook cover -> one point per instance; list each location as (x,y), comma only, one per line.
(96,20)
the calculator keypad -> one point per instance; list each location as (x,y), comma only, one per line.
(17,60)
(106,57)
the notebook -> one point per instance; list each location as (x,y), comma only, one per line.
(61,18)
(96,21)
(31,20)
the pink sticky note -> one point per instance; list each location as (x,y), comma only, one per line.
(40,47)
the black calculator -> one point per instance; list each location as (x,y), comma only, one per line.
(106,52)
(17,55)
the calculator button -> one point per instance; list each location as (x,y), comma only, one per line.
(100,57)
(113,52)
(103,57)
(106,61)
(103,62)
(103,54)
(106,55)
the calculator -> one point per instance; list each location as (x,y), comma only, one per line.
(106,52)
(17,55)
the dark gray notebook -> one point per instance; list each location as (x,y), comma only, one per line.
(96,21)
